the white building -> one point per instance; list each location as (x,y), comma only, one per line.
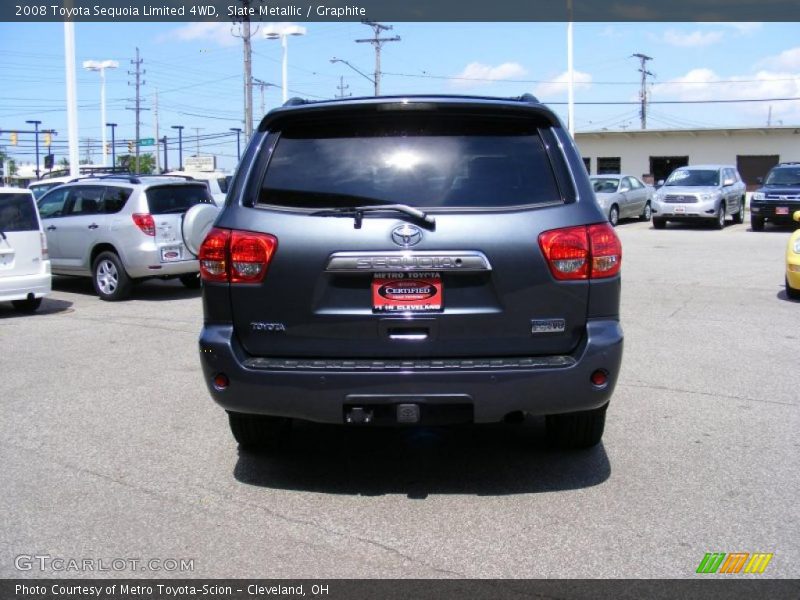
(653,153)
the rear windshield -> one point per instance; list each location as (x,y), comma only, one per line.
(17,213)
(695,177)
(472,162)
(169,199)
(784,176)
(42,188)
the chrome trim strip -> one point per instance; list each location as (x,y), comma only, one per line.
(380,262)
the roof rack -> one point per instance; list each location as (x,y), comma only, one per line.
(529,98)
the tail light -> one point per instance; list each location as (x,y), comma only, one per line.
(145,222)
(582,252)
(45,253)
(236,256)
(213,255)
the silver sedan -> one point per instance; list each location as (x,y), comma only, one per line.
(622,196)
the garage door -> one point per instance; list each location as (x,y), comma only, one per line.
(751,167)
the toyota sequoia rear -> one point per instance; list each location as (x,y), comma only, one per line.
(410,261)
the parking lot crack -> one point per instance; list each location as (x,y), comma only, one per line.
(699,393)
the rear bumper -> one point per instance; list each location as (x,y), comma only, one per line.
(317,390)
(19,287)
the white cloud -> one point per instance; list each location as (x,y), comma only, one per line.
(477,74)
(705,84)
(788,60)
(610,32)
(693,39)
(220,34)
(559,84)
(740,28)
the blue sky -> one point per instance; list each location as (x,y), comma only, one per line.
(197,70)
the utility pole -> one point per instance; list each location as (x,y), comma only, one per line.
(155,126)
(180,146)
(263,84)
(36,128)
(113,145)
(342,87)
(643,58)
(139,82)
(164,141)
(248,69)
(197,131)
(89,158)
(769,116)
(377,42)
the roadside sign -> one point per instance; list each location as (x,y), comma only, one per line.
(200,163)
(147,142)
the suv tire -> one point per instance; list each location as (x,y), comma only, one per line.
(29,305)
(111,281)
(576,430)
(738,218)
(756,223)
(259,432)
(191,281)
(719,218)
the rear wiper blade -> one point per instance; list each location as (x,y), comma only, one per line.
(357,212)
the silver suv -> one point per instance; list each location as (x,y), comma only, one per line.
(700,192)
(120,229)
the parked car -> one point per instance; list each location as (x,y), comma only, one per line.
(793,262)
(778,197)
(410,261)
(24,264)
(42,186)
(700,192)
(622,197)
(121,229)
(217,182)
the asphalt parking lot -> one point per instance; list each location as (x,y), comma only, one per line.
(111,447)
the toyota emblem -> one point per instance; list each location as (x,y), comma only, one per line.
(406,235)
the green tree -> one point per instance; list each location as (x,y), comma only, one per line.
(147,163)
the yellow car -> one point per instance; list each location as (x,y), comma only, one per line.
(793,262)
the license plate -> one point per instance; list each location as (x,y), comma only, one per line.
(171,253)
(781,210)
(680,209)
(407,292)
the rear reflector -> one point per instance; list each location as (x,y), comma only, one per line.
(582,252)
(232,256)
(145,222)
(221,381)
(599,378)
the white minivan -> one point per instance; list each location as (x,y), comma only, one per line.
(24,263)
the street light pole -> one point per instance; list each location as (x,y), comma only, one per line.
(36,128)
(113,146)
(180,146)
(100,67)
(364,75)
(238,131)
(282,33)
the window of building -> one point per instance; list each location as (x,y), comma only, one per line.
(608,165)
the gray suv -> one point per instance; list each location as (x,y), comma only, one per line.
(701,192)
(411,261)
(121,229)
